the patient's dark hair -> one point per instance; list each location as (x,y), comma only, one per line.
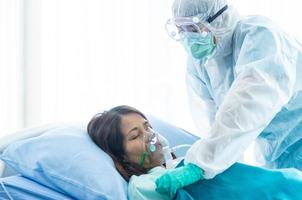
(105,130)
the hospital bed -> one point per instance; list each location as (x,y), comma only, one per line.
(57,162)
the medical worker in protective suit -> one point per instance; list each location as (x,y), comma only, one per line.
(244,79)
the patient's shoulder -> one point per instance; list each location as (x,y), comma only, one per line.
(147,180)
(143,186)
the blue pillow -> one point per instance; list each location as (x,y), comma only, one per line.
(67,161)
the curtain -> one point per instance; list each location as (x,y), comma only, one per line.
(65,60)
(11,66)
(99,54)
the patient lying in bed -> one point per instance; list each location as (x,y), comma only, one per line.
(127,136)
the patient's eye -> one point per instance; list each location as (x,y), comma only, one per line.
(134,136)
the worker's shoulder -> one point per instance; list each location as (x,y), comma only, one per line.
(256,19)
(255,22)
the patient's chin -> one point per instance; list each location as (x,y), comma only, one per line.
(158,159)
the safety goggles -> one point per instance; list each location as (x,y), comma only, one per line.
(175,27)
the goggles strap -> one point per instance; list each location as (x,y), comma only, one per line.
(212,18)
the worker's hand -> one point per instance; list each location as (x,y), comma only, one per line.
(177,178)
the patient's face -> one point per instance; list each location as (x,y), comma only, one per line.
(135,128)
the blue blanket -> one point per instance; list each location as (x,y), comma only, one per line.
(246,182)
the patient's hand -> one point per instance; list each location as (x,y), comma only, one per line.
(174,179)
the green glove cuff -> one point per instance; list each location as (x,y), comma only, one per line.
(192,173)
(177,178)
(195,171)
(187,174)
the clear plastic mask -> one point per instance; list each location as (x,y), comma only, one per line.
(150,146)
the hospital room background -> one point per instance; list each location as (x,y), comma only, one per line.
(65,60)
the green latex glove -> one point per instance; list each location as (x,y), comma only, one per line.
(177,178)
